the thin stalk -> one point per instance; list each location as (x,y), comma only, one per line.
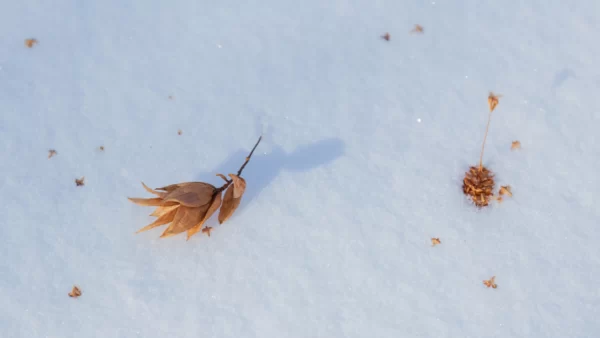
(239,173)
(484,138)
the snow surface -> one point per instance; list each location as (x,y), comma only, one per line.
(365,146)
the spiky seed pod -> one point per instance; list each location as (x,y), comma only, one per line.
(478,184)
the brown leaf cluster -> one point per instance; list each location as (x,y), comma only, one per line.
(75,292)
(187,206)
(479,185)
(491,282)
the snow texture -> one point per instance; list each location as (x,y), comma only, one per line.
(365,145)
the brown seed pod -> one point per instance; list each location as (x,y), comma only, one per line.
(187,206)
(478,184)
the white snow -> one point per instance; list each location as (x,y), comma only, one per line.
(365,143)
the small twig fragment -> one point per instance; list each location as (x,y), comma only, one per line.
(491,282)
(51,153)
(515,145)
(29,43)
(75,292)
(435,241)
(80,181)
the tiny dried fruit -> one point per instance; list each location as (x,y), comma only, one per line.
(435,241)
(515,145)
(80,181)
(51,153)
(491,282)
(30,42)
(75,292)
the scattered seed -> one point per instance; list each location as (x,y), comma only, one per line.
(207,230)
(418,29)
(490,283)
(101,148)
(505,190)
(386,36)
(179,132)
(79,181)
(51,153)
(435,241)
(515,145)
(75,292)
(30,42)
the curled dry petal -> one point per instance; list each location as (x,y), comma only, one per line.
(216,203)
(164,209)
(157,193)
(185,219)
(148,202)
(239,185)
(165,218)
(229,205)
(191,194)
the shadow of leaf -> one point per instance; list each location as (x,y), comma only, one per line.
(264,168)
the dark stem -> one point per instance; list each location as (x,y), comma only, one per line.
(239,173)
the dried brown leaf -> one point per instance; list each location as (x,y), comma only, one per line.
(147,202)
(192,194)
(229,205)
(185,219)
(166,217)
(164,209)
(214,206)
(80,181)
(239,185)
(30,42)
(515,145)
(154,192)
(75,292)
(51,153)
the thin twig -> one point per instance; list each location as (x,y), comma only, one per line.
(484,138)
(239,173)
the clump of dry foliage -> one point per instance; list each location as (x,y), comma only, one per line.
(478,183)
(187,206)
